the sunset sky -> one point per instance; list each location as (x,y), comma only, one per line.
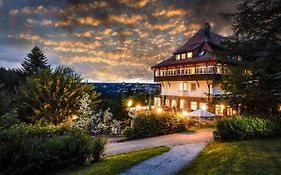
(107,41)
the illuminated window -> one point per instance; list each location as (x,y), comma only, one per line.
(219,109)
(193,105)
(167,102)
(174,104)
(185,86)
(183,56)
(180,71)
(201,69)
(189,70)
(181,104)
(189,54)
(203,106)
(181,86)
(178,56)
(193,86)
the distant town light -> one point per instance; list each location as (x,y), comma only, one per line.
(184,113)
(222,106)
(130,103)
(159,110)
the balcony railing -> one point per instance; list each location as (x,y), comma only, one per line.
(190,77)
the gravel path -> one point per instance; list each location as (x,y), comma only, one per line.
(200,136)
(168,163)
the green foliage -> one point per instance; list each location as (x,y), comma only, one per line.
(35,62)
(153,125)
(52,97)
(99,146)
(112,165)
(9,81)
(128,132)
(255,87)
(34,150)
(242,127)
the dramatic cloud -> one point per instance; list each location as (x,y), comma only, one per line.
(105,40)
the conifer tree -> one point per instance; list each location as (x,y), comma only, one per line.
(35,62)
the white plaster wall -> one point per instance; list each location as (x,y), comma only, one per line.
(173,89)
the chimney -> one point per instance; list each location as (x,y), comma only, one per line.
(207,29)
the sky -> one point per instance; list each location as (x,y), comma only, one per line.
(105,41)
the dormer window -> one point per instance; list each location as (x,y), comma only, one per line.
(183,56)
(201,53)
(178,56)
(189,54)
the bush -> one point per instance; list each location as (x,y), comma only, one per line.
(98,148)
(128,132)
(154,125)
(242,127)
(33,150)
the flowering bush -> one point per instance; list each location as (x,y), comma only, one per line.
(95,123)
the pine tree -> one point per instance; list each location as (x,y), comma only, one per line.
(35,62)
(255,86)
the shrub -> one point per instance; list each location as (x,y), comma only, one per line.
(33,150)
(153,125)
(242,127)
(128,132)
(98,148)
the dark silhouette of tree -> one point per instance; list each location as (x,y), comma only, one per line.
(35,62)
(254,86)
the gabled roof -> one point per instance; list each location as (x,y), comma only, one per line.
(201,41)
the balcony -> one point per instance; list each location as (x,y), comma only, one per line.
(191,77)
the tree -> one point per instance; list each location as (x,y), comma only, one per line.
(255,85)
(52,97)
(35,62)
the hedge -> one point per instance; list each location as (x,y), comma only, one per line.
(244,127)
(34,150)
(148,125)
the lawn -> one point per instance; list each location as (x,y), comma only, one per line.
(256,157)
(118,163)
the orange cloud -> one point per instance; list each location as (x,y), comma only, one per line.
(171,13)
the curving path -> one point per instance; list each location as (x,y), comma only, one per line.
(168,163)
(199,136)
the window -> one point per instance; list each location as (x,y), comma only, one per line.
(201,53)
(183,56)
(219,109)
(185,86)
(193,86)
(203,106)
(201,69)
(181,86)
(193,105)
(189,54)
(189,70)
(210,69)
(178,56)
(180,71)
(174,104)
(181,104)
(167,103)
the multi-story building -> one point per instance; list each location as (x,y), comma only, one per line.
(189,77)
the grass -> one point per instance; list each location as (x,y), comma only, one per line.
(255,157)
(118,163)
